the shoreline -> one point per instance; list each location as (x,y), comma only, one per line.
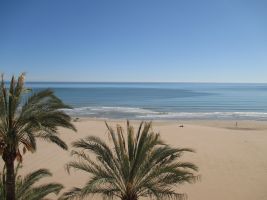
(227,124)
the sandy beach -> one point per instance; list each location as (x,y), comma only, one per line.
(232,159)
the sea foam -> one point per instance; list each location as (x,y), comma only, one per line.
(141,113)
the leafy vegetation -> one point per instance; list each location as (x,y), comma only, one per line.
(26,188)
(23,119)
(136,165)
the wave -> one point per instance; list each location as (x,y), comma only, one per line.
(141,113)
(108,112)
(208,115)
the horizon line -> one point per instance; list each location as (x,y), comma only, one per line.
(133,82)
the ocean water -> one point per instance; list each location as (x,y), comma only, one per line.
(164,101)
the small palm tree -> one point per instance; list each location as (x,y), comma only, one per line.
(140,165)
(25,187)
(23,118)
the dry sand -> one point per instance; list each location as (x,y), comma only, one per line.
(232,160)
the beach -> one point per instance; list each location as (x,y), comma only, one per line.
(231,157)
(196,69)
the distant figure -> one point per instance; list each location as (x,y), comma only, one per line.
(181,126)
(235,124)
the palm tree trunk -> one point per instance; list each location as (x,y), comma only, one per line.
(130,197)
(10,180)
(9,159)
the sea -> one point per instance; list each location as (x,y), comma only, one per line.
(162,101)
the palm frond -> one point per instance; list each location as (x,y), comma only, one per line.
(26,188)
(26,116)
(72,194)
(42,191)
(136,165)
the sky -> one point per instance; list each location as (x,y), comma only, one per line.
(134,41)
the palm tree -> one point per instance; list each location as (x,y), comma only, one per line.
(25,117)
(25,187)
(138,165)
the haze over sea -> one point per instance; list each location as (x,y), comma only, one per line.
(164,101)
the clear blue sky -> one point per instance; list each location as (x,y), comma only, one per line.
(146,40)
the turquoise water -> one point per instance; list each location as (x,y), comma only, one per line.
(163,100)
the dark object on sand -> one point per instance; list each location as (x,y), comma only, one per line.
(181,126)
(76,119)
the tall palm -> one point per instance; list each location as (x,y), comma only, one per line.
(136,165)
(26,188)
(23,118)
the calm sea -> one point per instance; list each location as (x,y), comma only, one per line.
(162,100)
